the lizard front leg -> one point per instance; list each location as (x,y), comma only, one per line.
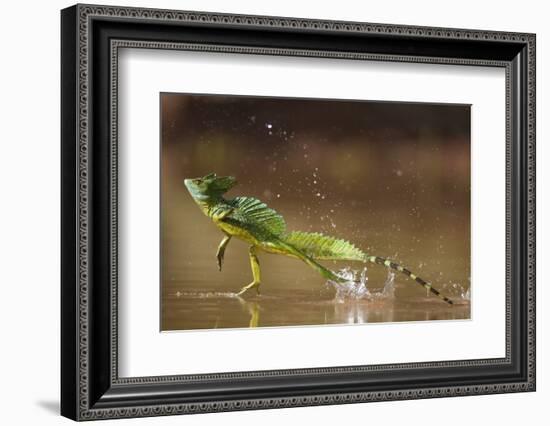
(221,250)
(255,265)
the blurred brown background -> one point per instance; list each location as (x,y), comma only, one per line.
(393,178)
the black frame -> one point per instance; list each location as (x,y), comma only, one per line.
(91,37)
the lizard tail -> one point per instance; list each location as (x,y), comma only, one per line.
(296,252)
(316,246)
(399,268)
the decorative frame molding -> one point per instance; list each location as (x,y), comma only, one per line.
(91,37)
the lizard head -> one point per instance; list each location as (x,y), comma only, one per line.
(209,186)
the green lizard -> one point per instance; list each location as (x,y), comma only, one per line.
(264,229)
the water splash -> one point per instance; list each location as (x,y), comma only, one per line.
(355,286)
(458,291)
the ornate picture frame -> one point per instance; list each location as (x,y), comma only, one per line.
(91,39)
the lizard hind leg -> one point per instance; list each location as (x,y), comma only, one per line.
(255,265)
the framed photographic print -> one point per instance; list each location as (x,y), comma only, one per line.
(263,212)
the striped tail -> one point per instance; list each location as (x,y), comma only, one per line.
(399,268)
(312,247)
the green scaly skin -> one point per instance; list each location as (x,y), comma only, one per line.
(264,229)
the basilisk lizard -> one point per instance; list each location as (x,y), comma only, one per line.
(264,229)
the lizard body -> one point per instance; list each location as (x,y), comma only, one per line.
(264,229)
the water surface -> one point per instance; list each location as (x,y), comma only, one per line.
(199,309)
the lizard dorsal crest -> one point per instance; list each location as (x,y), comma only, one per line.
(322,247)
(256,212)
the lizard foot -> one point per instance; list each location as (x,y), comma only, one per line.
(253,284)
